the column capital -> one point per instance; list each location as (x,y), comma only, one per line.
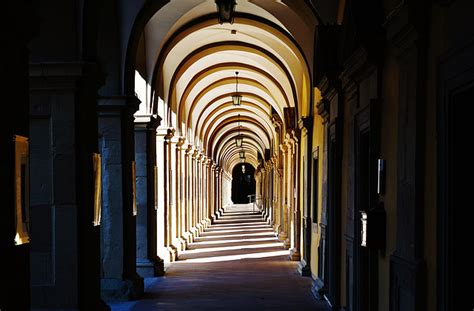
(149,122)
(209,161)
(180,142)
(165,132)
(274,159)
(305,124)
(189,150)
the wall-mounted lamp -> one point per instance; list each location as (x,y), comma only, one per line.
(225,11)
(236,98)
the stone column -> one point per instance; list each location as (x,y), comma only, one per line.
(169,188)
(162,136)
(194,193)
(212,192)
(283,236)
(278,194)
(118,245)
(306,127)
(199,192)
(295,253)
(209,191)
(188,210)
(148,263)
(173,219)
(180,242)
(217,194)
(63,136)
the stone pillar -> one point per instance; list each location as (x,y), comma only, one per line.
(306,127)
(188,207)
(173,215)
(180,242)
(148,263)
(118,245)
(213,189)
(278,194)
(169,190)
(198,192)
(295,253)
(209,191)
(165,251)
(283,234)
(63,137)
(193,199)
(218,191)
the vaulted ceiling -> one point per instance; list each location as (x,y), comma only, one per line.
(187,66)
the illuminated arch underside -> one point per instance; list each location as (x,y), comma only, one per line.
(193,74)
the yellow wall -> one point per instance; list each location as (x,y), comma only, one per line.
(318,142)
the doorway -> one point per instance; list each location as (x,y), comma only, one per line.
(243,183)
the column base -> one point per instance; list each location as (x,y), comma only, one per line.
(287,244)
(119,290)
(199,228)
(179,244)
(188,237)
(150,268)
(295,255)
(304,268)
(281,236)
(184,243)
(173,252)
(318,290)
(194,232)
(276,228)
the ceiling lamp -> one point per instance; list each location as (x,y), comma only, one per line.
(236,98)
(239,140)
(225,11)
(242,154)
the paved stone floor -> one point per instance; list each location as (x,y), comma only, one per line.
(236,264)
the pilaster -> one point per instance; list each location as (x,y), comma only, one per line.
(148,263)
(116,141)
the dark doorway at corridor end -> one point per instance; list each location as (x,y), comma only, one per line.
(243,183)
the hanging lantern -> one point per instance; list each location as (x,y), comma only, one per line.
(225,11)
(236,98)
(239,141)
